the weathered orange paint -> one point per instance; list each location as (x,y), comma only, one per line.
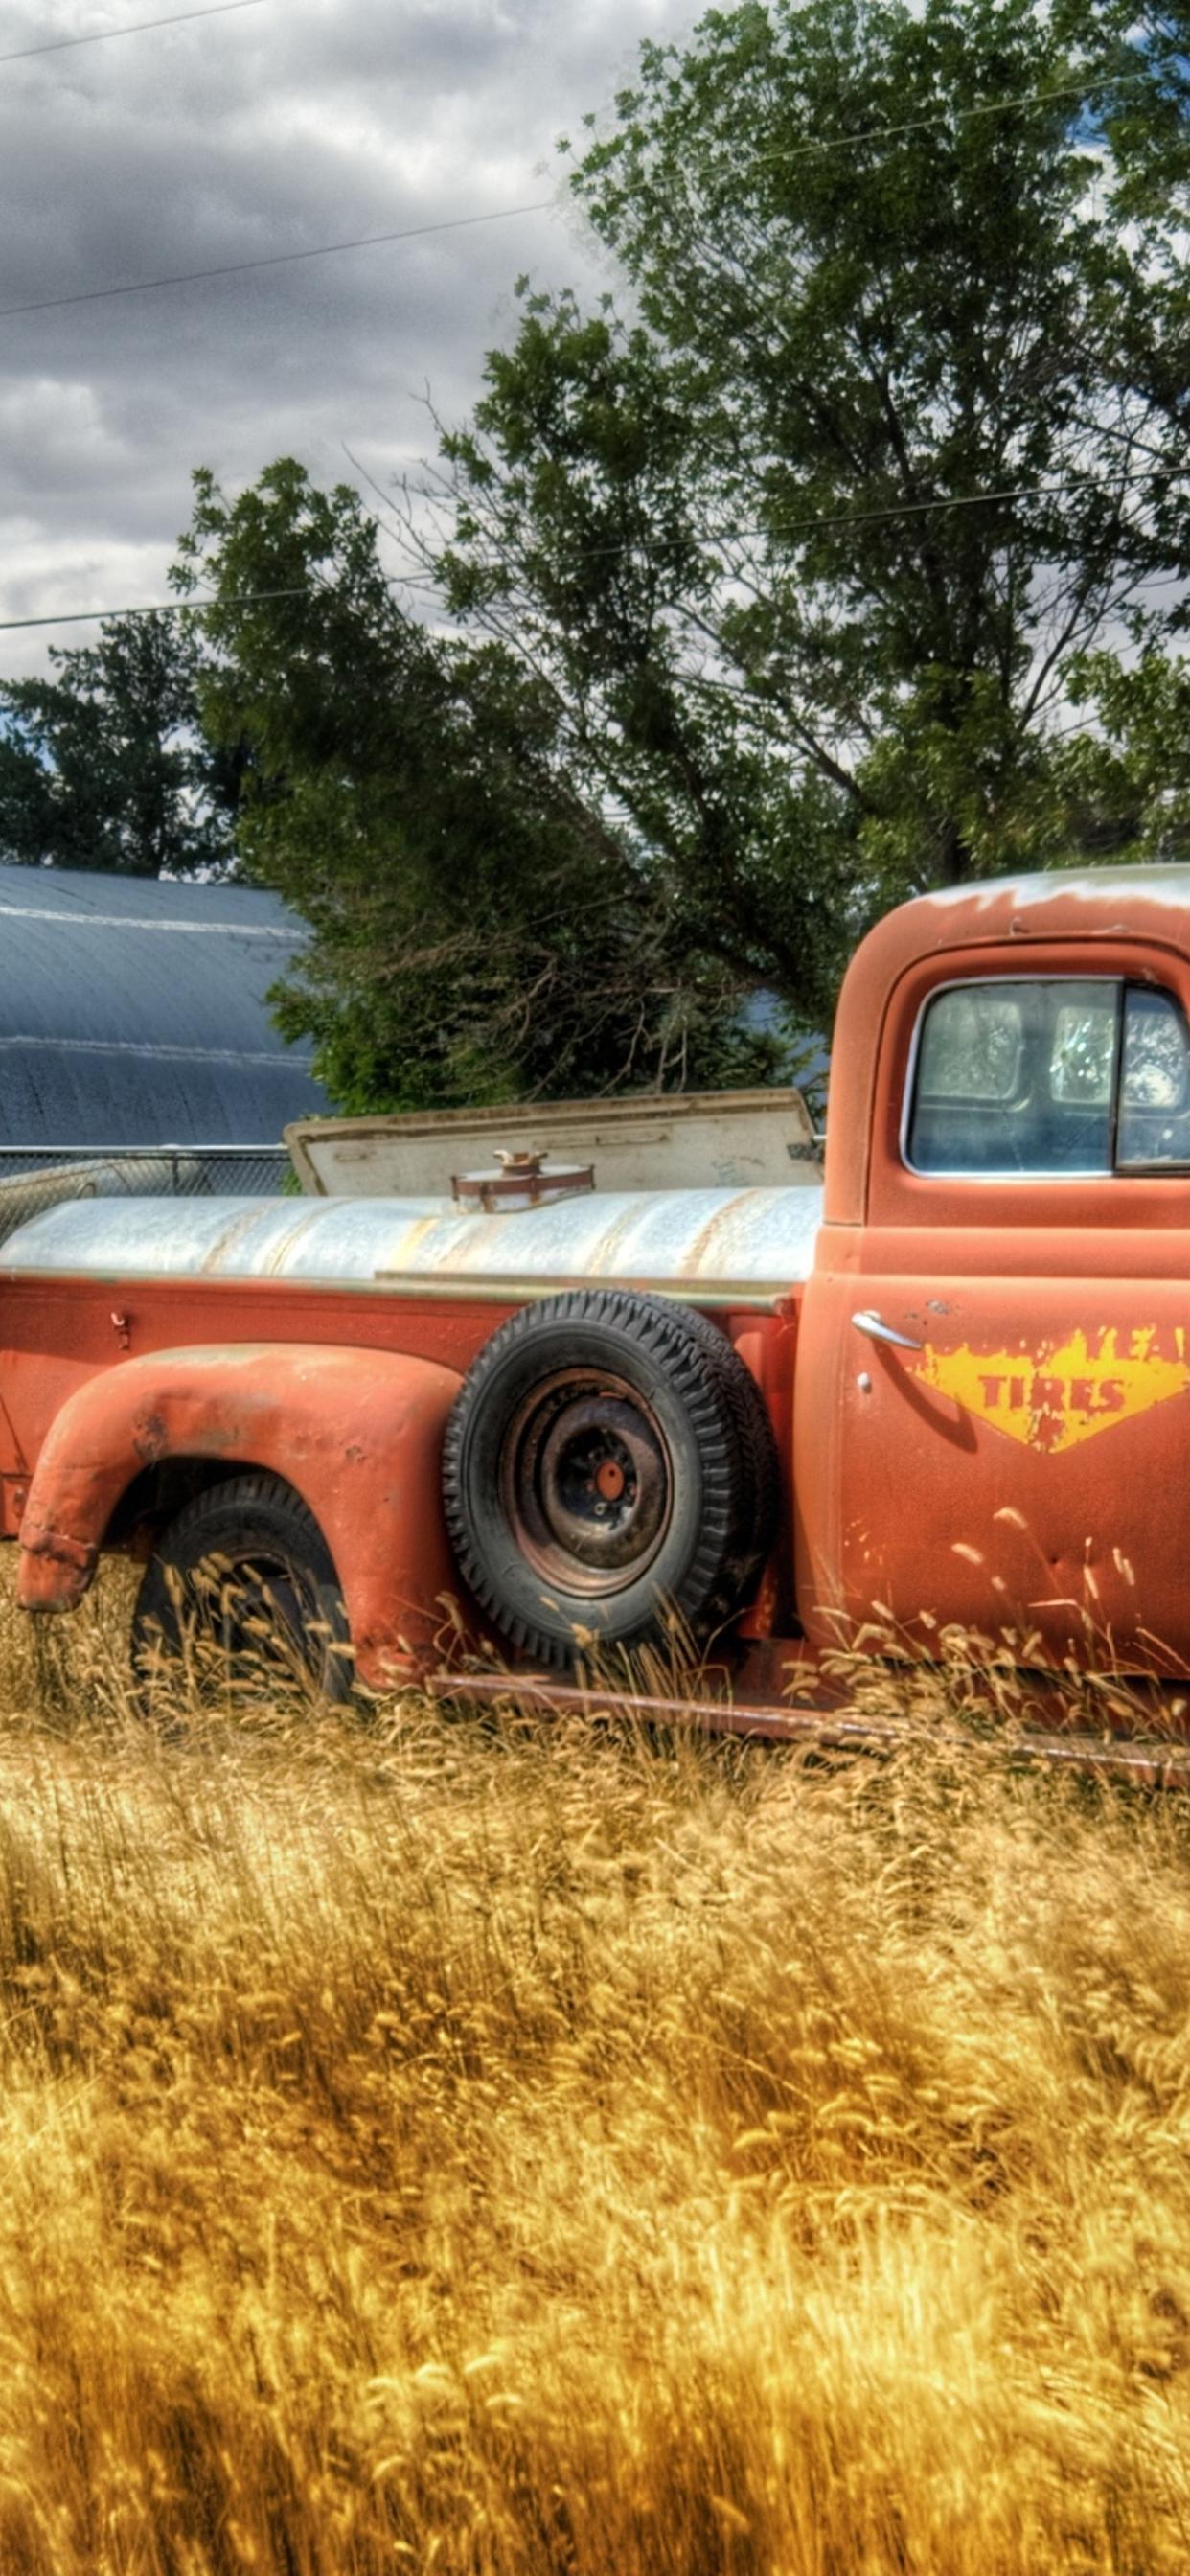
(357,1434)
(65,1369)
(1038,925)
(11,1461)
(910,1501)
(1022,1470)
(768,1347)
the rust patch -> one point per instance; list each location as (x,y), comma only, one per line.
(275,1261)
(54,1547)
(718,1231)
(150,1438)
(413,1236)
(603,1263)
(240,1226)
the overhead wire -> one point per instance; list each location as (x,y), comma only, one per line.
(896,510)
(273,259)
(501,214)
(159,608)
(140,27)
(644,545)
(492,214)
(956,116)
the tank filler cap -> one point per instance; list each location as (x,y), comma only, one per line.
(519,1180)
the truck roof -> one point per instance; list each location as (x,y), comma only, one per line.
(1166,885)
(1063,905)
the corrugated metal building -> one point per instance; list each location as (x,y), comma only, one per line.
(133,1012)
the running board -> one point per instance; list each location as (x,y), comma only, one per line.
(1153,1765)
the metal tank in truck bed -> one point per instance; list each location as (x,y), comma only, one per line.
(713,1247)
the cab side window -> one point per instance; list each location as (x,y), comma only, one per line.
(1016,1076)
(1154,1124)
(1050,1074)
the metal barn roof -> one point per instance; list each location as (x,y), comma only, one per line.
(132,1012)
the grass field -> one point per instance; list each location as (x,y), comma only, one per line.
(510,2149)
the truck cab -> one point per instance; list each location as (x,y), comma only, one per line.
(990,1411)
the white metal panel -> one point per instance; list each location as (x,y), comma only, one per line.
(685,1140)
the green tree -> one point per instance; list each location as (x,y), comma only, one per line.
(1137,53)
(847,558)
(1127,774)
(102,764)
(812,542)
(479,930)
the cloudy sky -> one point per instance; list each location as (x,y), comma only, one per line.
(268,128)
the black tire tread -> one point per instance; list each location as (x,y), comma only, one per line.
(255,1491)
(754,1432)
(738,1460)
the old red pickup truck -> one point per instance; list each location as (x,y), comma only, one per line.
(954,1387)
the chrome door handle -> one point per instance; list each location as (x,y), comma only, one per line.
(878,1332)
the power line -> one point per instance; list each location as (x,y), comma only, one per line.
(855,518)
(954,116)
(966,501)
(894,510)
(494,214)
(142,26)
(844,519)
(276,259)
(161,608)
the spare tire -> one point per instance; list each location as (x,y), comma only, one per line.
(608,1463)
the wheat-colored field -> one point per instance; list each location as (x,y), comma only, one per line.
(514,2149)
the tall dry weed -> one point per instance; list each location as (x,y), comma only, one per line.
(510,2148)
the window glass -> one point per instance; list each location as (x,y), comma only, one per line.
(971,1045)
(1083,1055)
(1016,1076)
(1154,1122)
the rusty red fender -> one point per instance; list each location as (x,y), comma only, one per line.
(357,1433)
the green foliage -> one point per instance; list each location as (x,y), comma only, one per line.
(1129,773)
(102,766)
(716,527)
(848,558)
(1139,55)
(479,932)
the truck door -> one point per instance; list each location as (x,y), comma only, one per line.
(1014,1336)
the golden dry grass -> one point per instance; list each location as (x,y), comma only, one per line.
(510,2149)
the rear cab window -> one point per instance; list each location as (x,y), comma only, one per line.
(1049,1075)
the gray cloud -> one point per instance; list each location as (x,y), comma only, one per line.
(275,129)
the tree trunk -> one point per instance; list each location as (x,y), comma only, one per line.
(954,856)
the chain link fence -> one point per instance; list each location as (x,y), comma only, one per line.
(35,1178)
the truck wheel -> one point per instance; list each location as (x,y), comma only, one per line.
(242,1589)
(608,1461)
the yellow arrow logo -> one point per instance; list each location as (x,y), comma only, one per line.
(1064,1394)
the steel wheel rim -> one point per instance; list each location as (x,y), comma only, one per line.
(586,1482)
